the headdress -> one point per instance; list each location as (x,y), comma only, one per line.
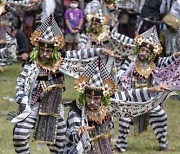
(127,4)
(94,9)
(95,81)
(110,3)
(150,40)
(48,35)
(50,32)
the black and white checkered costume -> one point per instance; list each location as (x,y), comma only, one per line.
(122,44)
(157,119)
(76,117)
(26,86)
(8,52)
(120,39)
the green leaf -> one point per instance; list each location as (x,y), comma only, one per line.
(81,98)
(105,100)
(136,51)
(34,53)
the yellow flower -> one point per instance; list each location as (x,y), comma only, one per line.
(157,49)
(138,40)
(35,38)
(106,90)
(109,87)
(81,83)
(59,42)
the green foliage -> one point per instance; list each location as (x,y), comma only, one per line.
(34,53)
(99,29)
(105,100)
(151,57)
(54,55)
(81,99)
(145,143)
(137,50)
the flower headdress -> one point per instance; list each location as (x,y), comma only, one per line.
(94,9)
(150,40)
(48,34)
(95,81)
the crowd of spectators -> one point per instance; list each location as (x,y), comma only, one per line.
(133,17)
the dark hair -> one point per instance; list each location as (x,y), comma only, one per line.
(17,23)
(147,45)
(47,45)
(93,91)
(96,19)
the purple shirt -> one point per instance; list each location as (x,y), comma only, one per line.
(73,16)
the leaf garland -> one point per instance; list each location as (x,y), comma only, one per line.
(81,99)
(99,29)
(53,57)
(151,57)
(136,51)
(105,100)
(34,53)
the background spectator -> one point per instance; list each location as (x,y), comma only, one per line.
(74,20)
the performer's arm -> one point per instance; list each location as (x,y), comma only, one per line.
(140,95)
(87,53)
(82,44)
(165,61)
(20,84)
(73,122)
(121,71)
(121,37)
(135,95)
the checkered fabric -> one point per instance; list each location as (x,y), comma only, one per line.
(151,36)
(97,74)
(16,2)
(94,8)
(49,29)
(126,4)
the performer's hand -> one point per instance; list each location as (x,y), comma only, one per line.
(158,88)
(107,52)
(22,107)
(177,54)
(122,78)
(84,129)
(23,56)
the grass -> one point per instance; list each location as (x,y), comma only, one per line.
(144,143)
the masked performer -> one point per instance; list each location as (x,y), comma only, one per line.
(92,111)
(8,43)
(145,70)
(39,88)
(99,33)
